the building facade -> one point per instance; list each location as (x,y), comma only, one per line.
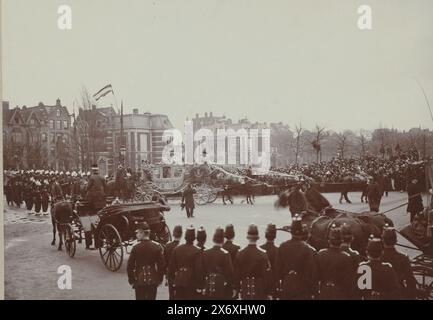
(280,135)
(98,136)
(35,137)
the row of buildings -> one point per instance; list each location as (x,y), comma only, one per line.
(48,136)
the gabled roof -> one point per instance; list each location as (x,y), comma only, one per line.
(16,114)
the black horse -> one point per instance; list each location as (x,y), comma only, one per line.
(61,214)
(318,215)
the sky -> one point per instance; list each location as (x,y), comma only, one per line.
(272,61)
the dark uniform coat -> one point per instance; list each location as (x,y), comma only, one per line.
(335,271)
(272,275)
(217,272)
(356,260)
(401,265)
(96,191)
(297,269)
(168,251)
(384,282)
(146,268)
(251,265)
(146,253)
(188,198)
(56,192)
(414,205)
(374,195)
(232,248)
(183,270)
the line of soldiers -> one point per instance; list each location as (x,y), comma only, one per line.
(294,270)
(37,188)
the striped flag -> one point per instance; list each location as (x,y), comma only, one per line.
(103,92)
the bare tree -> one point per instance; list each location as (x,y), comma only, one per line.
(363,140)
(343,141)
(320,133)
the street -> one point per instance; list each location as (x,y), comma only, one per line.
(31,263)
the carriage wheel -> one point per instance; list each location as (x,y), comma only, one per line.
(69,240)
(201,196)
(111,249)
(164,235)
(213,195)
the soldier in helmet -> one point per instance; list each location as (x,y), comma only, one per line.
(384,280)
(233,249)
(346,242)
(297,268)
(183,268)
(272,252)
(201,238)
(168,251)
(399,261)
(335,269)
(251,265)
(228,245)
(216,269)
(145,265)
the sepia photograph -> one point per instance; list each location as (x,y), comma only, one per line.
(214,150)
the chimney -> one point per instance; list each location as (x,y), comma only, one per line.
(205,114)
(5,105)
(135,111)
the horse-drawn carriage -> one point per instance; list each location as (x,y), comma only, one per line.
(362,225)
(421,243)
(207,180)
(112,228)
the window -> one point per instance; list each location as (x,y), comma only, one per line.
(58,113)
(32,121)
(65,124)
(52,137)
(59,124)
(44,137)
(17,137)
(52,124)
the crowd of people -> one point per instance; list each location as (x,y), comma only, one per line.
(294,270)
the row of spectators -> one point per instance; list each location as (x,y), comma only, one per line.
(397,171)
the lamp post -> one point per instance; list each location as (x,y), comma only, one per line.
(122,155)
